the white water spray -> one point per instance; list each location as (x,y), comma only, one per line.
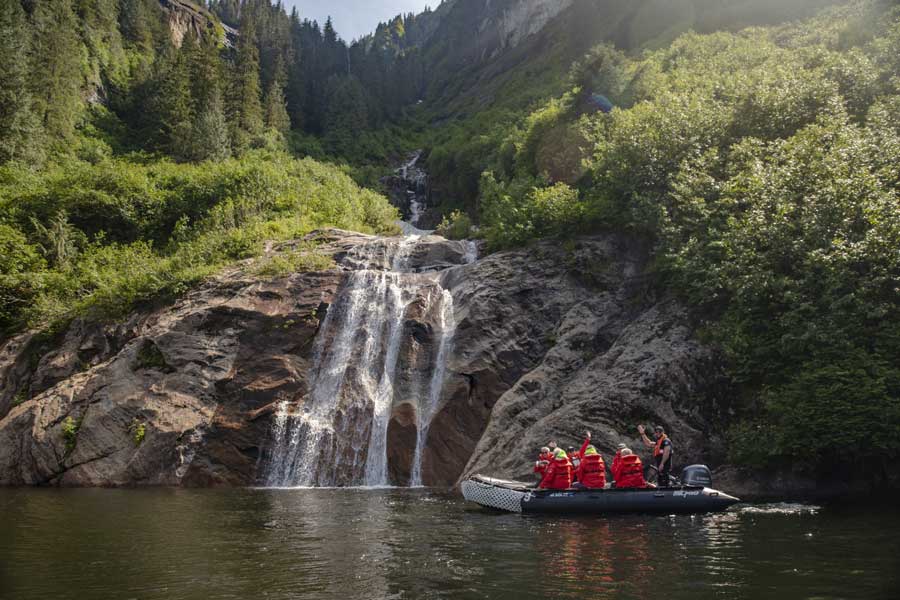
(339,433)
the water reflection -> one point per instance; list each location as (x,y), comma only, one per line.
(280,544)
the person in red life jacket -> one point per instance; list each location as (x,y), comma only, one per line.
(575,459)
(591,472)
(558,475)
(662,453)
(617,459)
(629,471)
(543,461)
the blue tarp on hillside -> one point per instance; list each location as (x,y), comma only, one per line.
(601,102)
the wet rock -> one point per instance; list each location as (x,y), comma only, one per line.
(186,413)
(548,340)
(554,340)
(401,437)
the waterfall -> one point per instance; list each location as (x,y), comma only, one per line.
(416,187)
(339,433)
(426,410)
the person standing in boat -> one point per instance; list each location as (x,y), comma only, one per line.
(662,453)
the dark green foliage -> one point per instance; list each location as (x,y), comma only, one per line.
(118,233)
(245,95)
(209,138)
(456,226)
(57,75)
(18,123)
(277,117)
(58,240)
(346,116)
(170,110)
(764,166)
(150,357)
(17,259)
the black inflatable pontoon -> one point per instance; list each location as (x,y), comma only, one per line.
(515,496)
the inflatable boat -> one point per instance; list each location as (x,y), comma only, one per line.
(514,496)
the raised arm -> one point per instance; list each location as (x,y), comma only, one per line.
(647,441)
(587,442)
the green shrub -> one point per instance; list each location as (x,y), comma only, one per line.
(763,164)
(295,261)
(149,356)
(138,431)
(121,233)
(70,428)
(21,397)
(456,226)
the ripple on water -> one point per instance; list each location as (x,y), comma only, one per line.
(384,543)
(778,508)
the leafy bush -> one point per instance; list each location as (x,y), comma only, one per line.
(764,166)
(456,226)
(138,431)
(150,357)
(17,259)
(70,428)
(115,234)
(295,261)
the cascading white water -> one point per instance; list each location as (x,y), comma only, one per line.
(417,180)
(306,450)
(339,435)
(426,409)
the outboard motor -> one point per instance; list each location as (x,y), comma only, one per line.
(696,476)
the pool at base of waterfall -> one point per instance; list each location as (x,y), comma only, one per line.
(180,544)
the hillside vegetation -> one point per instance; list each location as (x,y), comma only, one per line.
(764,166)
(761,163)
(132,167)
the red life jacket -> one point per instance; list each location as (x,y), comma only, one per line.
(592,471)
(631,472)
(657,450)
(539,468)
(559,474)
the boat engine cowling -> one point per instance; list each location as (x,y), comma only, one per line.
(696,475)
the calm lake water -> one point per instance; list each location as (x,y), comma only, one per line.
(246,544)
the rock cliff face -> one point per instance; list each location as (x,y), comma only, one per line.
(549,340)
(525,18)
(184,16)
(552,341)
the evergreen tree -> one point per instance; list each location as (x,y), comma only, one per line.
(210,139)
(57,76)
(100,32)
(134,23)
(18,128)
(277,117)
(205,66)
(346,114)
(245,106)
(296,83)
(170,109)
